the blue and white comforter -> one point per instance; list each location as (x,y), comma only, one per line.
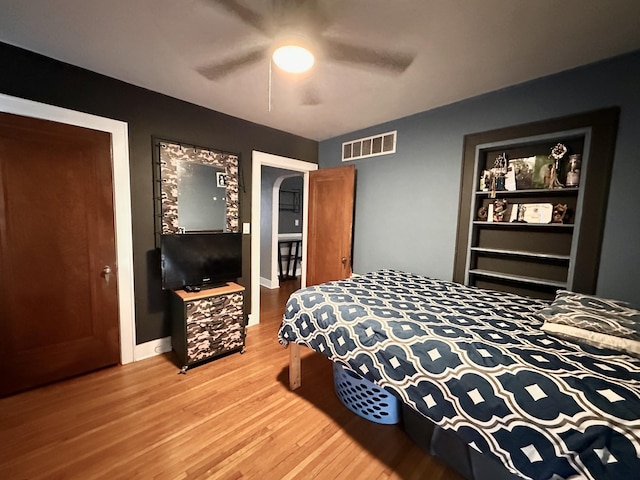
(475,362)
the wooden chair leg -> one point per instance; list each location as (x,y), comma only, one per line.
(294,366)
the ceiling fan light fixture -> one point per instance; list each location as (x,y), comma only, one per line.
(293,58)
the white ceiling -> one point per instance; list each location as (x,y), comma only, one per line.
(463,48)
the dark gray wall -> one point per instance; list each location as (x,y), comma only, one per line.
(31,76)
(407,202)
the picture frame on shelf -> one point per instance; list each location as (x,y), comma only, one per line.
(542,171)
(510,180)
(523,169)
(537,213)
(485,181)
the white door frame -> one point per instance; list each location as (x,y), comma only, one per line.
(258,160)
(121,200)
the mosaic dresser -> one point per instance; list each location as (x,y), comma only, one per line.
(207,324)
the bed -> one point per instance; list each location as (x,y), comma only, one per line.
(477,364)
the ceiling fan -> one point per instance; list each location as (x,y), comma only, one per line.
(299,24)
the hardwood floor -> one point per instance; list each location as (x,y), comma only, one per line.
(232,418)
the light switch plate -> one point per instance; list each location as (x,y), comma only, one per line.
(246,228)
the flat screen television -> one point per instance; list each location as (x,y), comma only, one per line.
(200,259)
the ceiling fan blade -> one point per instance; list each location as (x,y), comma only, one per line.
(247,15)
(306,15)
(310,96)
(221,69)
(394,62)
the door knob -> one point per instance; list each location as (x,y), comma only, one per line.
(344,260)
(106,273)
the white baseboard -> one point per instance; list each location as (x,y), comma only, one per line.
(270,284)
(152,348)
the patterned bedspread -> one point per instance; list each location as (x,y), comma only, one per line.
(475,362)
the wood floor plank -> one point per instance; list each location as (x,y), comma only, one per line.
(233,418)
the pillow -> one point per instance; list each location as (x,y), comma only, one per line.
(593,320)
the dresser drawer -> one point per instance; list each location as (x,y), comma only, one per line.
(205,339)
(220,306)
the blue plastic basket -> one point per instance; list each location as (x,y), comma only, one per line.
(365,398)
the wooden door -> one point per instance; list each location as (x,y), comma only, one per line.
(58,309)
(331,194)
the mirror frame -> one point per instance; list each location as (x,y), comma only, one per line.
(170,153)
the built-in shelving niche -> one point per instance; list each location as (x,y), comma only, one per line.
(529,258)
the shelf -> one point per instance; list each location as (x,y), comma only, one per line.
(521,253)
(538,192)
(518,278)
(523,225)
